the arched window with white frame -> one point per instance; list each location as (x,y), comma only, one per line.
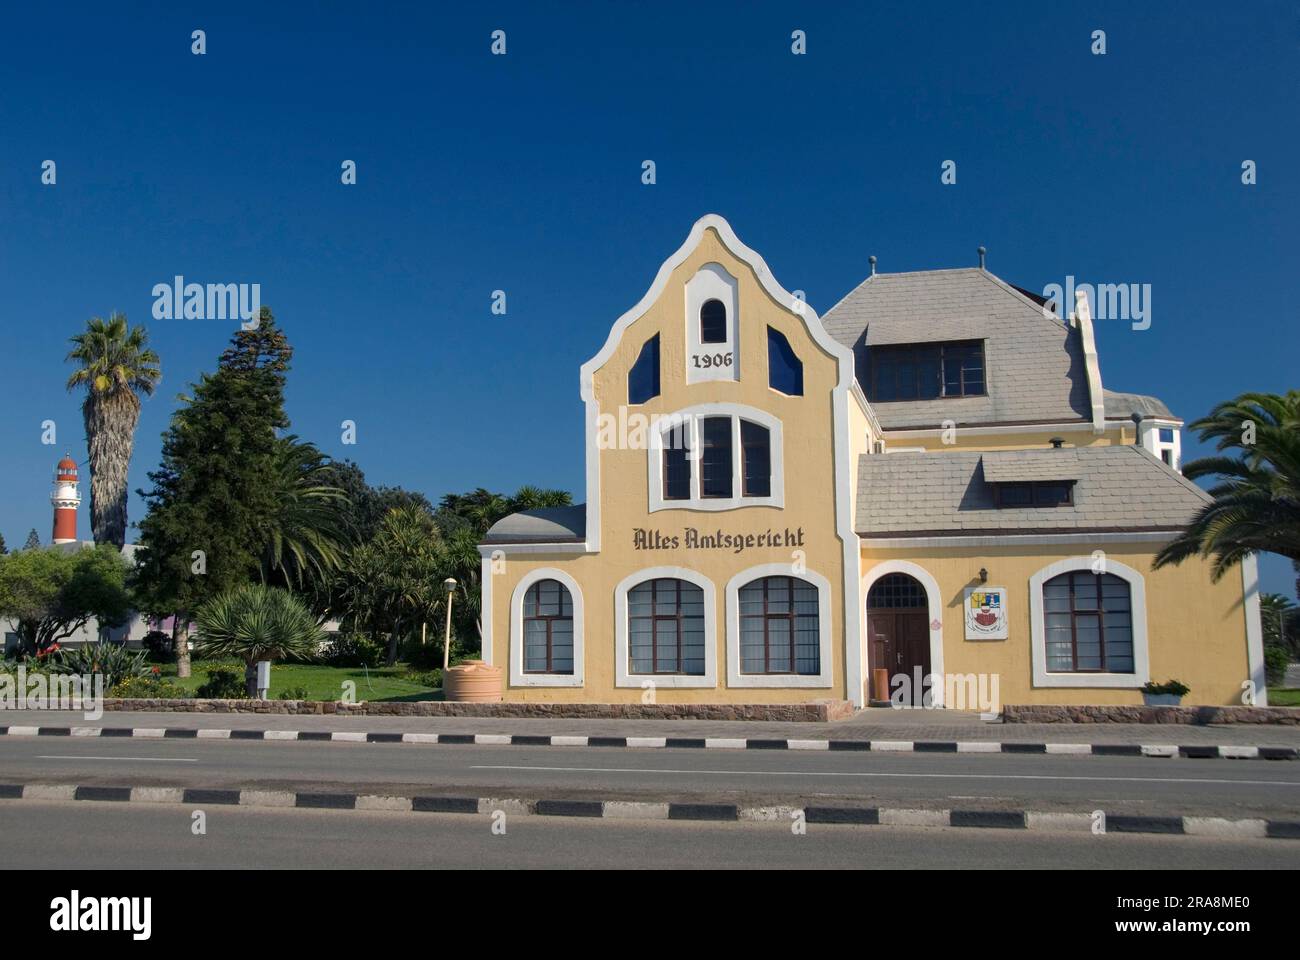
(1087,622)
(546,630)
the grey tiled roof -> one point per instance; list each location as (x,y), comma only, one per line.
(1011,466)
(1034,363)
(543,525)
(1121,406)
(1119,488)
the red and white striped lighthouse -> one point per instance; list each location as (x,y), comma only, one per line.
(66,498)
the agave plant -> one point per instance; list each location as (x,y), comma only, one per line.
(256,622)
(113,660)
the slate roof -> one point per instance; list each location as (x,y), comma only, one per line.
(945,493)
(1011,466)
(1122,406)
(543,525)
(1034,363)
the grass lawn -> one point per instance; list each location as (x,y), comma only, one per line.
(321,683)
(1284,697)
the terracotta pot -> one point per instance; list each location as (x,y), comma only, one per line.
(472,682)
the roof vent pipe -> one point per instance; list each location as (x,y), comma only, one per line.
(982,251)
(872,260)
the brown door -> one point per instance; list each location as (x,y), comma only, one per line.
(898,627)
(900,640)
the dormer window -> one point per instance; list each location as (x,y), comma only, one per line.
(927,371)
(713,322)
(1037,493)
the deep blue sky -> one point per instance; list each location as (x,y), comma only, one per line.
(522,172)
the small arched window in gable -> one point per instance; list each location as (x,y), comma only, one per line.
(784,368)
(643,378)
(713,322)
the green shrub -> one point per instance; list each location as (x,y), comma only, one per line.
(223,685)
(295,693)
(159,645)
(352,650)
(148,688)
(1276,660)
(426,678)
(113,660)
(1176,687)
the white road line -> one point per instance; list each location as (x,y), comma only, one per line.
(898,776)
(141,759)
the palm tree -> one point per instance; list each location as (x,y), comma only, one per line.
(116,366)
(1256,504)
(256,622)
(394,582)
(306,535)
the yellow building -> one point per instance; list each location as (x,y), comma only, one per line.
(930,481)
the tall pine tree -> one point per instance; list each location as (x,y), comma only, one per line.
(214,488)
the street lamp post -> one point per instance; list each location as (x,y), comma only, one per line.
(450,586)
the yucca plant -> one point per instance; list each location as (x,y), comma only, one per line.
(113,660)
(256,622)
(1256,504)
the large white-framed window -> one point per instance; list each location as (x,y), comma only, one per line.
(716,456)
(777,629)
(665,629)
(1072,604)
(541,635)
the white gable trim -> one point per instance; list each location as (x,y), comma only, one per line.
(1083,316)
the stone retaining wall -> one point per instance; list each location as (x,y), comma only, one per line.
(817,711)
(1138,714)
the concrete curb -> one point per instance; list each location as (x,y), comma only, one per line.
(1194,751)
(1029,820)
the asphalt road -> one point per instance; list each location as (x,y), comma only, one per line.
(80,835)
(1232,788)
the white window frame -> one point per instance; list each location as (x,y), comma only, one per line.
(1038,629)
(623,677)
(690,418)
(518,678)
(712,282)
(735,678)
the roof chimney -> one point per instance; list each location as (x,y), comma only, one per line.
(982,251)
(872,260)
(1057,443)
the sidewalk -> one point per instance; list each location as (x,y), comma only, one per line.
(883,724)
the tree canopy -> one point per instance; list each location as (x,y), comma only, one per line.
(51,593)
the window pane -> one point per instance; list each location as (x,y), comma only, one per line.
(713,322)
(1015,494)
(665,646)
(677,469)
(643,378)
(715,457)
(758,459)
(784,368)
